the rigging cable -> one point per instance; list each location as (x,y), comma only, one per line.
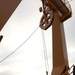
(45,52)
(19,46)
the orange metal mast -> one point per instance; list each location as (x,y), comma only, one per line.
(61,12)
(60,58)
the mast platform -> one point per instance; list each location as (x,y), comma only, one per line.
(63,7)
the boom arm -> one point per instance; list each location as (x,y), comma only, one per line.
(7,7)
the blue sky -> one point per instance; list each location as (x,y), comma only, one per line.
(29,59)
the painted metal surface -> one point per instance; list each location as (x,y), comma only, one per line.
(60,57)
(62,11)
(7,7)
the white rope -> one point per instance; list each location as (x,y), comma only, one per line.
(45,52)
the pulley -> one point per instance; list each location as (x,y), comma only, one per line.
(47,18)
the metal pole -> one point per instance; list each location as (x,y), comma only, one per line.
(60,58)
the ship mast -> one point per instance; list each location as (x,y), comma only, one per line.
(55,12)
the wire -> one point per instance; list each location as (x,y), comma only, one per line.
(19,46)
(45,52)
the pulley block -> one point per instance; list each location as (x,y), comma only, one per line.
(47,18)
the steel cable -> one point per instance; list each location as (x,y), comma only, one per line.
(19,46)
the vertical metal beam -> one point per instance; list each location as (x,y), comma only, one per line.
(60,58)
